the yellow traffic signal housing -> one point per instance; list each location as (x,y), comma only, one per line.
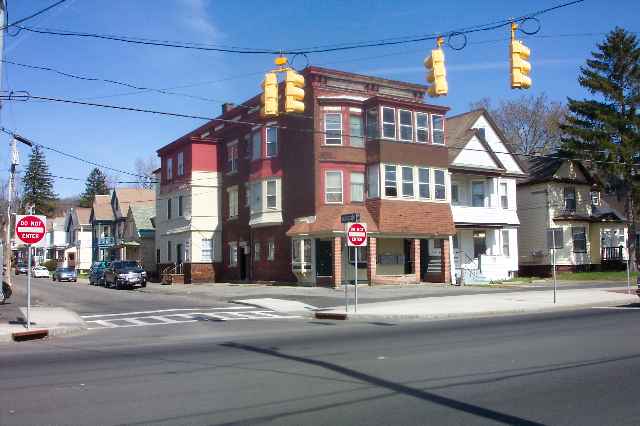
(294,92)
(269,96)
(437,74)
(520,66)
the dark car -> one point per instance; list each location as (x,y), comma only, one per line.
(638,288)
(65,274)
(96,273)
(21,268)
(124,273)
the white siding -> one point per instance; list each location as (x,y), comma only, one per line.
(497,146)
(534,220)
(474,154)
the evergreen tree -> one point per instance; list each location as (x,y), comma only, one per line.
(38,184)
(607,127)
(96,185)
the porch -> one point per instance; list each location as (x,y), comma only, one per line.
(485,254)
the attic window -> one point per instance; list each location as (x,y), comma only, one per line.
(481,132)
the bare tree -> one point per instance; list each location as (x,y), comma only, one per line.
(145,168)
(531,123)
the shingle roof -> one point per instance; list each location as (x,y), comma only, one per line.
(83,214)
(55,223)
(133,196)
(142,214)
(102,208)
(543,169)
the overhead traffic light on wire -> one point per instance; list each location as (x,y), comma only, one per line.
(519,61)
(293,90)
(269,98)
(436,72)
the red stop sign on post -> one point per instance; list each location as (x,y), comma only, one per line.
(357,235)
(30,229)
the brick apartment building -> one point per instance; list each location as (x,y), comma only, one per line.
(273,189)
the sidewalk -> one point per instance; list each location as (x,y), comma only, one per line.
(480,305)
(52,320)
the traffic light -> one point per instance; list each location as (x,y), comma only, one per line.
(294,92)
(437,74)
(269,96)
(520,66)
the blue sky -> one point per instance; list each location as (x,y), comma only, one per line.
(118,138)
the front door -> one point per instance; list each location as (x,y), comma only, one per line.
(242,263)
(324,258)
(424,258)
(479,243)
(179,256)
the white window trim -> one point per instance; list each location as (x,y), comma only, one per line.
(446,192)
(502,234)
(402,181)
(326,180)
(266,142)
(203,249)
(233,190)
(230,162)
(180,161)
(169,175)
(233,254)
(266,193)
(484,185)
(429,183)
(271,250)
(416,114)
(382,123)
(338,113)
(256,154)
(364,185)
(432,116)
(362,131)
(384,181)
(400,125)
(506,194)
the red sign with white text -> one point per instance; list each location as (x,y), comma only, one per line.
(357,235)
(30,229)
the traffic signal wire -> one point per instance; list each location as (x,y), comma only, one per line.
(33,15)
(358,45)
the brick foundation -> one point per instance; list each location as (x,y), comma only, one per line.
(337,261)
(446,262)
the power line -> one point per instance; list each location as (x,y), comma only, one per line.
(359,45)
(33,15)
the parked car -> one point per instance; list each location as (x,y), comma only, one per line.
(124,273)
(39,272)
(96,273)
(638,283)
(65,274)
(21,268)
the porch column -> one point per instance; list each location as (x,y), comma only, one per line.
(337,261)
(446,261)
(415,258)
(371,260)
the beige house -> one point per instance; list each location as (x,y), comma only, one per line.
(138,239)
(564,194)
(77,226)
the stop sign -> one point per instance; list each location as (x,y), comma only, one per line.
(357,235)
(30,229)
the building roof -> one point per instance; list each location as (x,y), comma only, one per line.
(543,169)
(102,208)
(133,196)
(55,223)
(142,214)
(83,214)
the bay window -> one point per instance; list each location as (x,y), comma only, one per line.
(388,123)
(437,124)
(301,254)
(423,183)
(407,182)
(405,119)
(390,188)
(272,188)
(504,199)
(477,194)
(357,187)
(355,131)
(255,204)
(373,131)
(373,177)
(333,128)
(333,187)
(422,127)
(440,187)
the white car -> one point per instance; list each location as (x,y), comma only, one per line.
(39,272)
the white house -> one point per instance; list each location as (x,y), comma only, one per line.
(77,226)
(483,171)
(55,239)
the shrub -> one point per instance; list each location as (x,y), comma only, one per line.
(50,265)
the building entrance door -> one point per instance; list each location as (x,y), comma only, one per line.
(242,263)
(424,259)
(324,258)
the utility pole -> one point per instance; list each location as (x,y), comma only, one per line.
(7,243)
(7,246)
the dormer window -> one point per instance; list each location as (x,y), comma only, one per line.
(570,199)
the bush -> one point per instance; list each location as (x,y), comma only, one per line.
(50,265)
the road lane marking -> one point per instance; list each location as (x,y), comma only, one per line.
(616,307)
(162,310)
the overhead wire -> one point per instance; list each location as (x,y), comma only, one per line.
(33,15)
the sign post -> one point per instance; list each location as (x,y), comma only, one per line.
(30,229)
(554,241)
(356,237)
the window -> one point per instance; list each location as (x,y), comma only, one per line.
(333,128)
(579,239)
(455,195)
(440,188)
(456,243)
(390,188)
(256,138)
(271,250)
(180,211)
(362,257)
(595,198)
(422,127)
(169,208)
(373,131)
(504,199)
(437,124)
(233,201)
(481,131)
(333,187)
(388,123)
(256,197)
(181,163)
(355,131)
(477,194)
(373,176)
(256,251)
(407,182)
(157,256)
(272,194)
(169,168)
(232,158)
(168,251)
(357,187)
(233,254)
(570,199)
(405,119)
(505,242)
(272,141)
(423,183)
(206,249)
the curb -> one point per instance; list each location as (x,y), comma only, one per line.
(44,331)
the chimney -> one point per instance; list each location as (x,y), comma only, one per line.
(227,106)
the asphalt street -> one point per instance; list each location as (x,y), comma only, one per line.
(580,367)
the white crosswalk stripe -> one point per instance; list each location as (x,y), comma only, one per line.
(178,316)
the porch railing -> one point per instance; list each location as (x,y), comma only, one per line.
(612,253)
(468,273)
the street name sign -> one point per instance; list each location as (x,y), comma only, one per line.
(350,217)
(30,229)
(357,235)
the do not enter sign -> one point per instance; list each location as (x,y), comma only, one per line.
(357,235)
(30,229)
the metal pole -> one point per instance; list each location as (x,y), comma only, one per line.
(628,277)
(346,282)
(356,283)
(9,201)
(554,268)
(29,288)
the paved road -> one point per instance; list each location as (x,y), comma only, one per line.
(572,368)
